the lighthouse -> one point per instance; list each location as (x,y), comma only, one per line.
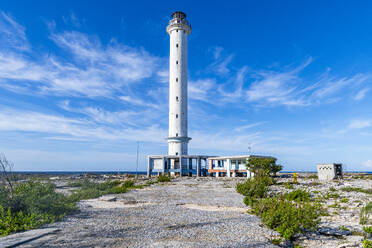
(178,29)
(178,162)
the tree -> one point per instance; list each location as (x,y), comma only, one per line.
(263,165)
(5,170)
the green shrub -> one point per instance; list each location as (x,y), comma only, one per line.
(256,187)
(150,182)
(276,241)
(287,217)
(163,178)
(76,183)
(367,243)
(367,229)
(329,195)
(16,222)
(332,189)
(344,200)
(288,185)
(356,189)
(31,205)
(91,190)
(365,214)
(298,195)
(128,184)
(263,166)
(343,228)
(334,205)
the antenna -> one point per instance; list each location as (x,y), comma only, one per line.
(137,161)
(250,149)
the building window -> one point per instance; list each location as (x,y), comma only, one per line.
(176,79)
(176,134)
(177,45)
(176,62)
(177,116)
(177,98)
(176,153)
(177,30)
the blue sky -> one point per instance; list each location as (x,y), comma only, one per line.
(82,81)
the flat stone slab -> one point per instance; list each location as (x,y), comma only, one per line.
(17,239)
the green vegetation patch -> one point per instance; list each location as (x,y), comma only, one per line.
(288,214)
(356,189)
(254,188)
(32,204)
(367,229)
(90,190)
(298,195)
(365,214)
(367,243)
(163,178)
(287,217)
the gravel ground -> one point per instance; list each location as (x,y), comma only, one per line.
(188,212)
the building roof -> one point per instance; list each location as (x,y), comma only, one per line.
(239,157)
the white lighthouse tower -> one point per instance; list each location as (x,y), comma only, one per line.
(178,30)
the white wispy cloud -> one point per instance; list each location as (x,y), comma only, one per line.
(12,34)
(199,89)
(244,127)
(52,125)
(368,164)
(361,94)
(72,19)
(358,124)
(221,63)
(94,70)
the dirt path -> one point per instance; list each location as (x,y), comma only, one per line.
(187,212)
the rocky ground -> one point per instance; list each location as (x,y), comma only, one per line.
(186,212)
(203,212)
(341,228)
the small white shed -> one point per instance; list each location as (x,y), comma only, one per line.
(329,171)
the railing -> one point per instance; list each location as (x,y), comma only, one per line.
(178,21)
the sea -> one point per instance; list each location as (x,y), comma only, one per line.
(134,172)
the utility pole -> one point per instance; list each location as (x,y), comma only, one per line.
(137,161)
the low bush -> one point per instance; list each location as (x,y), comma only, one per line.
(33,204)
(367,243)
(288,214)
(332,189)
(287,217)
(367,229)
(365,214)
(343,228)
(329,195)
(30,205)
(163,178)
(15,222)
(356,189)
(288,185)
(255,187)
(298,195)
(90,190)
